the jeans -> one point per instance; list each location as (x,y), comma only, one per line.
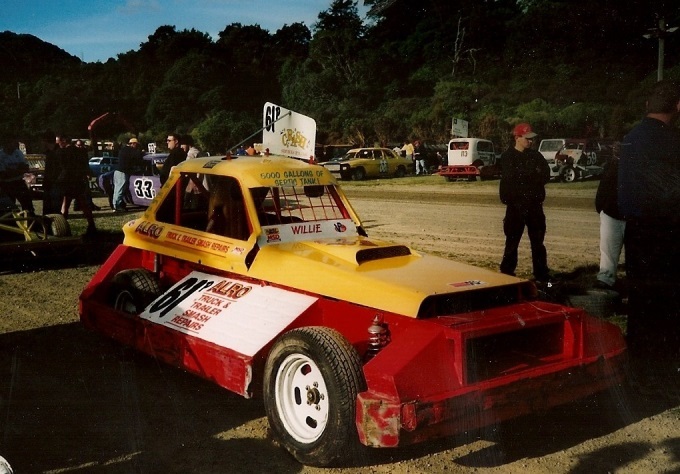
(120,184)
(611,243)
(420,166)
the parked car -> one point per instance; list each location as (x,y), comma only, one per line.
(469,158)
(549,148)
(143,185)
(102,164)
(581,158)
(323,153)
(362,163)
(272,288)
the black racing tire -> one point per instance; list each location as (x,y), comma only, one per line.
(311,381)
(59,226)
(134,289)
(400,173)
(359,174)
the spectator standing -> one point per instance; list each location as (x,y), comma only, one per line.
(251,151)
(71,179)
(51,192)
(648,197)
(176,156)
(190,148)
(419,157)
(408,150)
(129,159)
(13,165)
(522,190)
(192,194)
(612,226)
(81,151)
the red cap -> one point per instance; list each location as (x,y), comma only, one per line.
(523,130)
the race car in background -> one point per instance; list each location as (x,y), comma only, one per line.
(143,185)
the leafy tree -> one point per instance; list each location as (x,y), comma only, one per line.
(223,131)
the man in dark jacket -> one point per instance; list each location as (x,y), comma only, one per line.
(648,197)
(522,190)
(71,179)
(176,156)
(129,159)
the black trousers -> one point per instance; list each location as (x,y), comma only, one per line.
(653,274)
(16,189)
(517,217)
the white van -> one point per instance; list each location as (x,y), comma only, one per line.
(549,148)
(468,158)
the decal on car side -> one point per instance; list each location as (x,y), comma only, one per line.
(232,313)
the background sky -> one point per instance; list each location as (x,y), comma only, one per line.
(96,30)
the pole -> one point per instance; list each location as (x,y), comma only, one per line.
(660,33)
(659,72)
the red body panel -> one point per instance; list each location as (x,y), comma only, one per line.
(439,382)
(458,171)
(434,377)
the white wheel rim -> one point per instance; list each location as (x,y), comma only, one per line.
(301,398)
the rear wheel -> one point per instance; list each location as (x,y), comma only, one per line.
(401,172)
(569,174)
(134,290)
(312,378)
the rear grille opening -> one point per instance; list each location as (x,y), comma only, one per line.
(496,355)
(477,300)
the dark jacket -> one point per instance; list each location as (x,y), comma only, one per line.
(176,156)
(72,169)
(649,172)
(129,159)
(523,177)
(606,197)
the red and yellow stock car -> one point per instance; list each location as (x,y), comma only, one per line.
(256,273)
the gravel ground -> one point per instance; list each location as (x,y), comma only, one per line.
(71,401)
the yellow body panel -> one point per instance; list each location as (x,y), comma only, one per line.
(328,269)
(353,268)
(258,171)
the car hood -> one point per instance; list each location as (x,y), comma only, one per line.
(370,272)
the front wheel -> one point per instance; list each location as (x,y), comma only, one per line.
(312,378)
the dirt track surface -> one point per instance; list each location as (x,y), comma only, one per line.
(71,401)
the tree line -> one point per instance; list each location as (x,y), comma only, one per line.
(570,67)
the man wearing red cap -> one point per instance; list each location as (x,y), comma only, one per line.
(522,190)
